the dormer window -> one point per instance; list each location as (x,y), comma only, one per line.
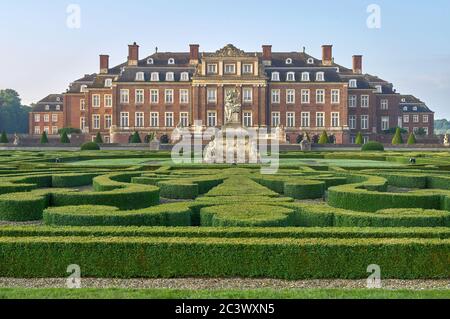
(405,109)
(290,76)
(184,76)
(275,76)
(58,107)
(403,100)
(108,83)
(288,61)
(310,61)
(83,89)
(353,84)
(155,77)
(320,76)
(171,61)
(47,107)
(140,76)
(415,108)
(379,88)
(305,76)
(150,61)
(169,76)
(58,99)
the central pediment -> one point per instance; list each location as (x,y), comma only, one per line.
(229,51)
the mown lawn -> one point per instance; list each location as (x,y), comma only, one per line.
(22,293)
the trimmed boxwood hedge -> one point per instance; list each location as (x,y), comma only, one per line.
(292,259)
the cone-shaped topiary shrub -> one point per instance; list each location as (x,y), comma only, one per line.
(65,138)
(324,138)
(397,140)
(44,138)
(4,138)
(135,138)
(359,139)
(412,139)
(98,139)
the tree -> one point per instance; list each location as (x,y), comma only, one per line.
(4,138)
(65,138)
(324,138)
(135,138)
(98,139)
(397,140)
(13,115)
(359,139)
(44,138)
(412,139)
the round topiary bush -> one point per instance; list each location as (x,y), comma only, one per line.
(90,146)
(372,146)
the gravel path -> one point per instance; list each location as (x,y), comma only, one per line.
(218,284)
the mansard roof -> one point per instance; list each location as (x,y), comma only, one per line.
(330,75)
(129,74)
(411,104)
(49,103)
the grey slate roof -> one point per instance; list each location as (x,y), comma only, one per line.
(49,104)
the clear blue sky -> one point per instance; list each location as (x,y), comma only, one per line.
(41,55)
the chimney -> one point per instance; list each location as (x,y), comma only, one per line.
(194,55)
(267,54)
(357,64)
(327,54)
(104,64)
(133,54)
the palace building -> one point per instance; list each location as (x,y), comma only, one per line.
(289,90)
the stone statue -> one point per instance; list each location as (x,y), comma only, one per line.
(16,140)
(232,107)
(446,140)
(305,145)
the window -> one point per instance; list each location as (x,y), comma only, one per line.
(154,77)
(248,119)
(108,121)
(47,107)
(54,117)
(290,96)
(46,130)
(305,119)
(310,61)
(154,119)
(83,88)
(230,68)
(248,95)
(58,99)
(212,119)
(169,119)
(275,119)
(290,119)
(425,119)
(140,96)
(335,122)
(275,96)
(168,96)
(364,122)
(96,100)
(352,122)
(415,108)
(384,104)
(305,96)
(154,96)
(124,119)
(37,130)
(415,129)
(82,104)
(212,69)
(58,107)
(405,109)
(107,139)
(150,61)
(54,130)
(96,121)
(305,76)
(275,76)
(415,118)
(124,96)
(405,118)
(379,88)
(320,119)
(140,76)
(352,101)
(82,123)
(366,139)
(335,96)
(426,130)
(184,76)
(288,61)
(139,119)
(385,123)
(171,61)
(46,118)
(353,84)
(320,76)
(37,117)
(212,95)
(320,96)
(108,100)
(184,96)
(169,76)
(290,76)
(364,101)
(184,119)
(247,69)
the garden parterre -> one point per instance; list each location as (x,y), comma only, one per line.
(158,220)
